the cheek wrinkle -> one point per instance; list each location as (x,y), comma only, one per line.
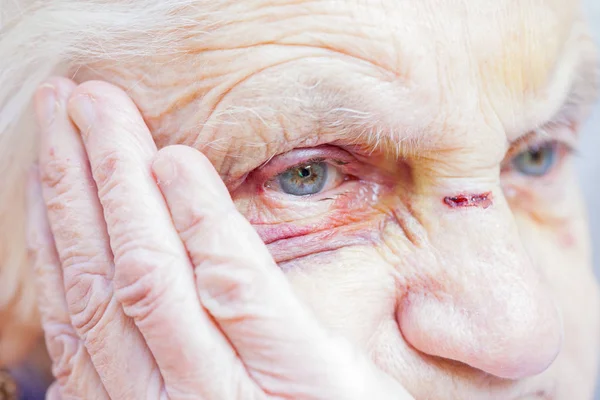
(483,200)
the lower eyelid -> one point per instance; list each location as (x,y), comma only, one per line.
(324,202)
(285,218)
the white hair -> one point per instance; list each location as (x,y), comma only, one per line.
(42,38)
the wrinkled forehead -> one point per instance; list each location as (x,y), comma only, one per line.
(515,41)
(514,59)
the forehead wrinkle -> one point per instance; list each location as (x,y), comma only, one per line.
(372,129)
(361,30)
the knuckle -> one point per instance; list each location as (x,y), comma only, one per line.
(140,284)
(200,222)
(85,257)
(132,237)
(105,169)
(87,287)
(55,173)
(192,225)
(87,307)
(229,289)
(64,348)
(64,179)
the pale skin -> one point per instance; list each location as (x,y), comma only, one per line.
(194,262)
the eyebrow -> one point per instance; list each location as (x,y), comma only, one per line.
(336,113)
(575,105)
(352,113)
(585,88)
(326,114)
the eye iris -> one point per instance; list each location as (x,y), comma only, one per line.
(305,179)
(536,161)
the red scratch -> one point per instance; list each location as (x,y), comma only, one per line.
(469,200)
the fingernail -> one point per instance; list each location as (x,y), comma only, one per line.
(164,170)
(45,104)
(83,112)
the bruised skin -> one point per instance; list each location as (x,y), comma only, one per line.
(475,301)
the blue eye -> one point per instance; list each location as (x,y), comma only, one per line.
(305,179)
(537,160)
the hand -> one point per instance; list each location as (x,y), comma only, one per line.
(151,284)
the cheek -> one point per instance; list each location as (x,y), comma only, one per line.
(562,233)
(569,274)
(351,290)
(567,238)
(556,231)
(552,207)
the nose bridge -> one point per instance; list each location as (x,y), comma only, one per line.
(475,237)
(490,308)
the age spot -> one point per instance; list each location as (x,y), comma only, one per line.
(483,200)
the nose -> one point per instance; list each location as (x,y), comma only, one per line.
(480,299)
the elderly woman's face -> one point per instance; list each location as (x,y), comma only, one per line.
(408,164)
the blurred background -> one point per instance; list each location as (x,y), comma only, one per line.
(589,164)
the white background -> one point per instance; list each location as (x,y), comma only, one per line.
(590,163)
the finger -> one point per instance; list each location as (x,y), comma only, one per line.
(53,392)
(71,364)
(279,341)
(153,275)
(76,221)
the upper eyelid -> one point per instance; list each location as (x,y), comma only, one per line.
(283,162)
(525,142)
(551,132)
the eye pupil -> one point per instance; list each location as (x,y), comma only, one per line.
(536,156)
(304,172)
